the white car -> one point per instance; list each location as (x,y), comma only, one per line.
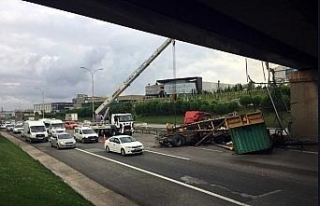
(123,144)
(62,140)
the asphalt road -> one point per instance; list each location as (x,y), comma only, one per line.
(205,175)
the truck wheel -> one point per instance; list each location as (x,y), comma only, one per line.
(82,140)
(177,141)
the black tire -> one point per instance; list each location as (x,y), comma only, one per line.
(177,141)
(58,147)
(107,149)
(82,140)
(123,153)
(51,144)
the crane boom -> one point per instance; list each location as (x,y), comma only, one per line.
(130,79)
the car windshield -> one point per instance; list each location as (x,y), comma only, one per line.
(38,129)
(65,136)
(88,131)
(125,118)
(127,139)
(57,125)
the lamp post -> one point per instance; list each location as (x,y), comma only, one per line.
(92,88)
(42,91)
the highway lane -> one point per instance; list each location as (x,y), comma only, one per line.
(250,187)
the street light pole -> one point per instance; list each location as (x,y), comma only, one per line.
(92,87)
(42,92)
(43,104)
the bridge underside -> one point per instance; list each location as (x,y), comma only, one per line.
(282,32)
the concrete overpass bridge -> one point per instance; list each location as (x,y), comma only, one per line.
(282,32)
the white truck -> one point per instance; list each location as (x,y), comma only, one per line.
(118,123)
(54,126)
(34,131)
(122,123)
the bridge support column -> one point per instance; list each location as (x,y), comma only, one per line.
(304,104)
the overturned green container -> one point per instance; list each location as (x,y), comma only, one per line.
(249,133)
(250,138)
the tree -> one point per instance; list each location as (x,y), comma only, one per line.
(266,103)
(256,100)
(232,106)
(245,100)
(221,108)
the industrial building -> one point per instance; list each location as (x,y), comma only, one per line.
(183,86)
(52,107)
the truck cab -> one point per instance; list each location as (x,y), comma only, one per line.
(54,126)
(121,123)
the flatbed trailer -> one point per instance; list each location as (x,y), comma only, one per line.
(101,129)
(194,133)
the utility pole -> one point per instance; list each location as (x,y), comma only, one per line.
(92,87)
(43,106)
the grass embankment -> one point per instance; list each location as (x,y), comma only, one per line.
(270,119)
(24,181)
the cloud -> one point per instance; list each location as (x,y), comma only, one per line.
(43,48)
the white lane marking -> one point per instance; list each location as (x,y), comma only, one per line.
(270,193)
(174,156)
(244,194)
(168,179)
(308,152)
(213,150)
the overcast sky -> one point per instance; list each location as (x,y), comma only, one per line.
(43,48)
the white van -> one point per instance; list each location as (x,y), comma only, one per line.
(54,126)
(34,131)
(85,134)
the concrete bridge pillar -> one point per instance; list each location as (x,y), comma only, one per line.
(304,104)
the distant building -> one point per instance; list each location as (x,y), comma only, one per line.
(79,100)
(214,86)
(52,107)
(22,115)
(5,115)
(282,73)
(185,86)
(82,99)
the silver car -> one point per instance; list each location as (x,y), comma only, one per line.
(9,127)
(62,140)
(18,128)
